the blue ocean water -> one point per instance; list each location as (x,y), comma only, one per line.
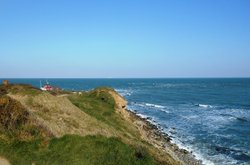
(210,117)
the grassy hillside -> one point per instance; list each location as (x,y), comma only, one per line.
(100,104)
(72,149)
(73,128)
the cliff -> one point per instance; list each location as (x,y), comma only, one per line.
(75,128)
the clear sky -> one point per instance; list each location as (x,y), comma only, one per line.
(124,38)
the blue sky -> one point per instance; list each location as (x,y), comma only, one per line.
(124,38)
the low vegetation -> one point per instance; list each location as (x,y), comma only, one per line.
(15,121)
(100,105)
(68,128)
(74,150)
(23,89)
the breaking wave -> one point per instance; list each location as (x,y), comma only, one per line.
(204,106)
(151,106)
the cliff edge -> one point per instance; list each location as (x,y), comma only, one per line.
(42,128)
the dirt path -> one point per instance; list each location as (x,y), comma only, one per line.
(63,95)
(4,161)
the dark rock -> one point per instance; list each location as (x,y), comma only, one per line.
(184,151)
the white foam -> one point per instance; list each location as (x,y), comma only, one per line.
(199,154)
(142,116)
(152,121)
(140,104)
(196,153)
(124,92)
(205,106)
(154,105)
(164,110)
(149,105)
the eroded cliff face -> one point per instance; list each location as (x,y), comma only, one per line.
(120,104)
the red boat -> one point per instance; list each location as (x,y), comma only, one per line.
(46,87)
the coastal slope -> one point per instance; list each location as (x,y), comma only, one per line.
(75,128)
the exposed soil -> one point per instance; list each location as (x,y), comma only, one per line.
(4,161)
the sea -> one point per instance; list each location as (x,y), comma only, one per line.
(208,117)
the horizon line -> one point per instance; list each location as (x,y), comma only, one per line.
(120,77)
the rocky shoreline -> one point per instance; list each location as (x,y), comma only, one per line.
(152,134)
(161,140)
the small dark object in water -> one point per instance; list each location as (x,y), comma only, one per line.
(241,119)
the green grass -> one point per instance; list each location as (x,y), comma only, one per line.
(101,105)
(24,89)
(74,150)
(98,104)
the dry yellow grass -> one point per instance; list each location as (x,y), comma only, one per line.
(61,117)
